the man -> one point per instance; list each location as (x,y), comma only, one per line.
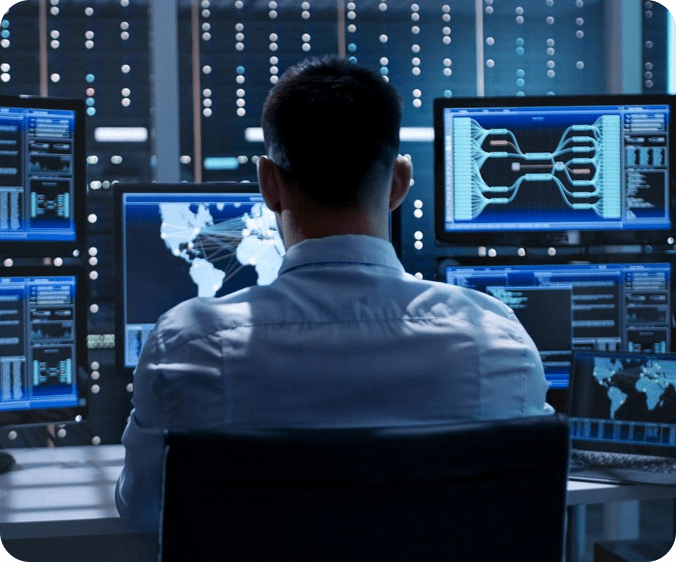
(343,336)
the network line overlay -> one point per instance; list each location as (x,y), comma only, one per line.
(585,167)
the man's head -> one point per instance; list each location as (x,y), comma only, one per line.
(329,109)
(331,129)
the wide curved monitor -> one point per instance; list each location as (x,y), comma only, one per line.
(554,170)
(42,176)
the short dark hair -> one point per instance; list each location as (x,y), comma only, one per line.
(324,107)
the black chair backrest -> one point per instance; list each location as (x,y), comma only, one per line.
(479,491)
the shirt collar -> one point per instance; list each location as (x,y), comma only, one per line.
(342,249)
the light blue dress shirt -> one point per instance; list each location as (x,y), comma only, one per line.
(343,337)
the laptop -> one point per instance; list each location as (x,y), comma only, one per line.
(622,413)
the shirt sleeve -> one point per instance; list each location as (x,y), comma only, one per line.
(536,385)
(513,382)
(137,494)
(178,384)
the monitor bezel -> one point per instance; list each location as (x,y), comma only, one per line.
(549,238)
(560,394)
(611,447)
(57,248)
(67,413)
(119,191)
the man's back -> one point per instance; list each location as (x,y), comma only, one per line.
(343,337)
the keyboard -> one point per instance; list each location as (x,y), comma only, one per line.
(594,465)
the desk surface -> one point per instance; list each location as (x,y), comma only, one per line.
(67,491)
(63,490)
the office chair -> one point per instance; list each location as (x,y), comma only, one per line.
(479,491)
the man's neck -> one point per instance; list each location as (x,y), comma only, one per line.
(306,225)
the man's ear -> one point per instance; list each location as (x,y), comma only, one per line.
(269,183)
(401,181)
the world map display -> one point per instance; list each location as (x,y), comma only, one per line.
(180,246)
(653,380)
(216,247)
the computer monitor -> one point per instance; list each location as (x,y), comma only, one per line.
(555,170)
(178,241)
(43,347)
(42,176)
(623,402)
(620,305)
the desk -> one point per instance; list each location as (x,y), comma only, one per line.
(620,510)
(58,505)
(62,498)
